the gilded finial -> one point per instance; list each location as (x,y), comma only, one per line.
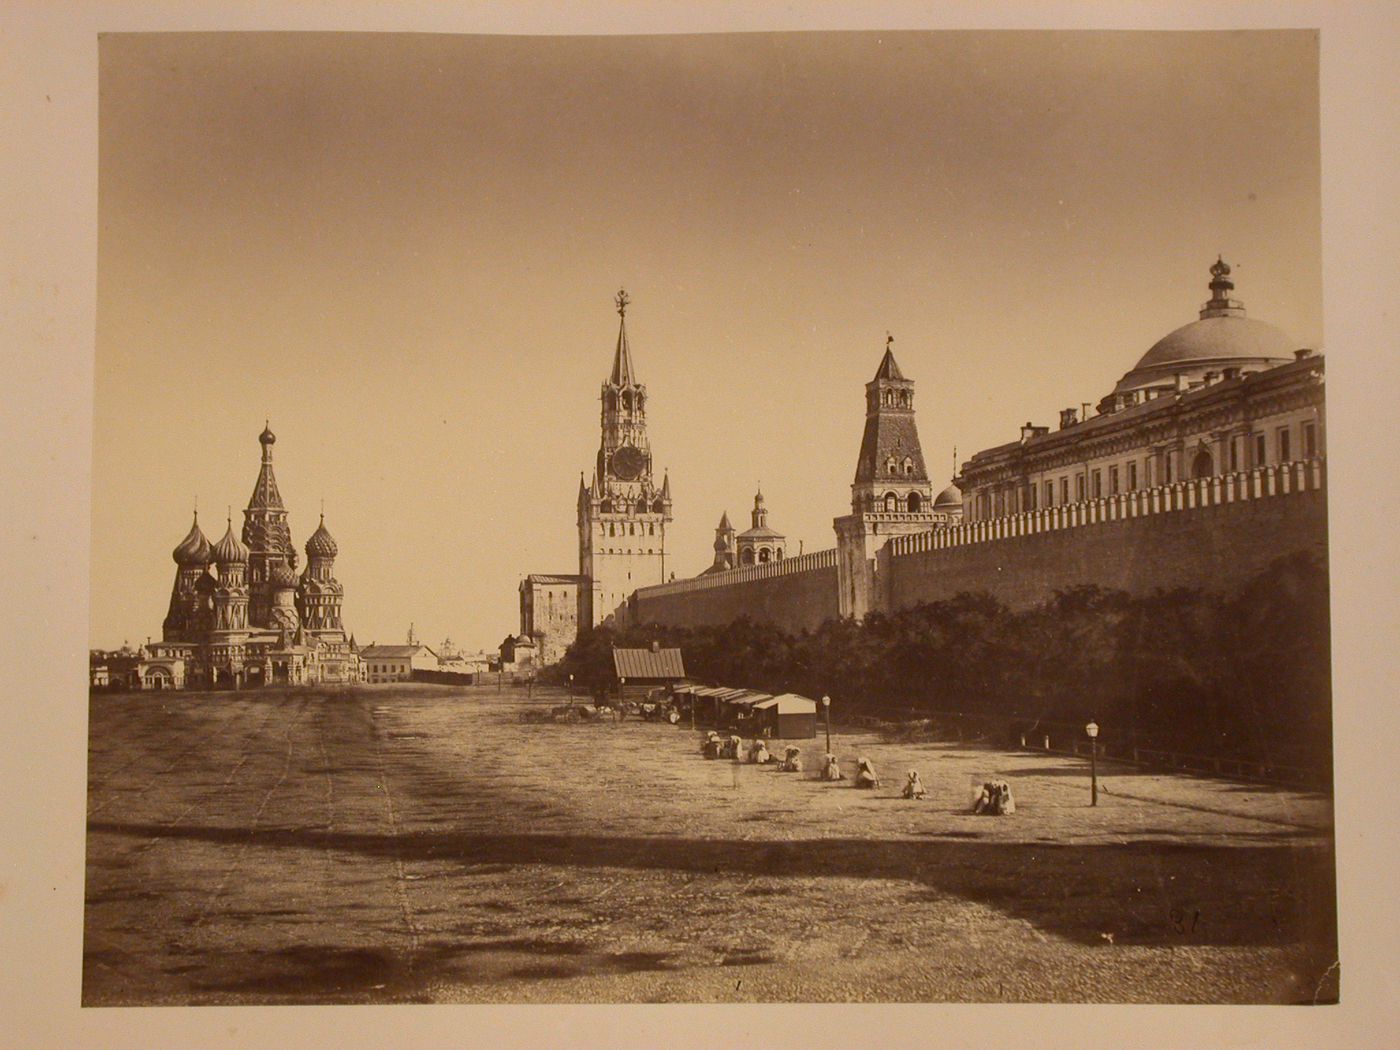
(889,339)
(622,301)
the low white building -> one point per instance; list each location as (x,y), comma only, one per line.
(396,663)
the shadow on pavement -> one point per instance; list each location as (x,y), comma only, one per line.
(1278,894)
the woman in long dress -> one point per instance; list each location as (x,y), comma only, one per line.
(831,770)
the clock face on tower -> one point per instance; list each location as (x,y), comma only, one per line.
(628,462)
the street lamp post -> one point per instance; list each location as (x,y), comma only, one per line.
(621,693)
(826,717)
(1092,731)
(571,690)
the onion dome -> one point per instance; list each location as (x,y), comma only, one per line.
(321,545)
(267,437)
(193,549)
(949,497)
(283,578)
(230,549)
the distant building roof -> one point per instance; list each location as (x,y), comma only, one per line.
(789,704)
(551,577)
(646,663)
(391,651)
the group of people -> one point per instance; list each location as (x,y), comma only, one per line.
(993,798)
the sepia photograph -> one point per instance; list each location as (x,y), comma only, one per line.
(615,524)
(573,602)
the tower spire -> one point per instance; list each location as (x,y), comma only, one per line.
(622,358)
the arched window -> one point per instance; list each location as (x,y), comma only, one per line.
(747,557)
(626,401)
(641,505)
(659,506)
(1203,466)
(612,529)
(904,397)
(780,554)
(606,507)
(890,466)
(763,554)
(909,464)
(891,502)
(915,503)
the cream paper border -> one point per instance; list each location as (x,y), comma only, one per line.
(48,69)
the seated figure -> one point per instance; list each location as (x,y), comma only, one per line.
(735,748)
(831,769)
(995,799)
(792,760)
(913,787)
(758,753)
(712,747)
(865,774)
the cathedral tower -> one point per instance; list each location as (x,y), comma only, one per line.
(192,557)
(266,535)
(228,641)
(891,494)
(622,515)
(319,595)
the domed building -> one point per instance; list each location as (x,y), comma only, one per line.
(239,612)
(1224,394)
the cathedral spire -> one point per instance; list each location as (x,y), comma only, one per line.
(265,494)
(622,358)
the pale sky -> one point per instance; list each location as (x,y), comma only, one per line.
(402,250)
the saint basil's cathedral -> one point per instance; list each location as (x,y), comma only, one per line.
(240,615)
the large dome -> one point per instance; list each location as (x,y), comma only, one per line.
(230,549)
(1223,338)
(949,497)
(321,544)
(194,549)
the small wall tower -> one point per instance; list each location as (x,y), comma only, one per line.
(891,494)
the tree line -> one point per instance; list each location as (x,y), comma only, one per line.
(1241,675)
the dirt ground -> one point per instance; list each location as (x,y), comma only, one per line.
(423,844)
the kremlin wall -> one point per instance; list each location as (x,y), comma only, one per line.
(1212,534)
(1205,464)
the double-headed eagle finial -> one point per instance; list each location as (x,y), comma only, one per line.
(621,300)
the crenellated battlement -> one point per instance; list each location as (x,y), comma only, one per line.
(1261,483)
(802,563)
